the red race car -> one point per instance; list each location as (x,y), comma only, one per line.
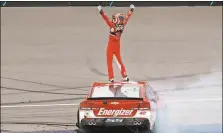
(128,104)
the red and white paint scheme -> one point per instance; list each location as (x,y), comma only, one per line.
(119,100)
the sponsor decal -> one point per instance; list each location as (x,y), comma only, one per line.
(121,112)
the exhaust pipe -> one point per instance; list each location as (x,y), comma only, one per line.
(90,123)
(135,123)
(93,123)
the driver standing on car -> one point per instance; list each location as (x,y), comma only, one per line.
(116,26)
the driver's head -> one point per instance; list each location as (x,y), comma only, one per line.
(118,18)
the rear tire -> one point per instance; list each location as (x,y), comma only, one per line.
(146,129)
(78,124)
(154,129)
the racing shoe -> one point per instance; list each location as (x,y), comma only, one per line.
(126,79)
(111,80)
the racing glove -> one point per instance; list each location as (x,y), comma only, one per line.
(132,7)
(100,9)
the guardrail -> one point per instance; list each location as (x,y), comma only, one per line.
(108,3)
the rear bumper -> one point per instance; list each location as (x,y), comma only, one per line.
(98,122)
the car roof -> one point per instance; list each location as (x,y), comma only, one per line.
(117,89)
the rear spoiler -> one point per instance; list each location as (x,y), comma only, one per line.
(114,98)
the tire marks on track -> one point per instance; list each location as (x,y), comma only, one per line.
(42,101)
(46,92)
(50,85)
(180,76)
(49,91)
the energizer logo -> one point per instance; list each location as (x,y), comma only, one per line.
(121,112)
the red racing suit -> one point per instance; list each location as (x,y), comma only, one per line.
(113,47)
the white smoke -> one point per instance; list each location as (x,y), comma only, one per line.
(194,108)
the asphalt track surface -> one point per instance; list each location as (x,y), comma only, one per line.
(50,57)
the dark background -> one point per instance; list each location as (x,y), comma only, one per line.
(107,3)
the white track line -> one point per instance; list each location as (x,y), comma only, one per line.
(76,104)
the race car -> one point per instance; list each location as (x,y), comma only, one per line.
(129,104)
